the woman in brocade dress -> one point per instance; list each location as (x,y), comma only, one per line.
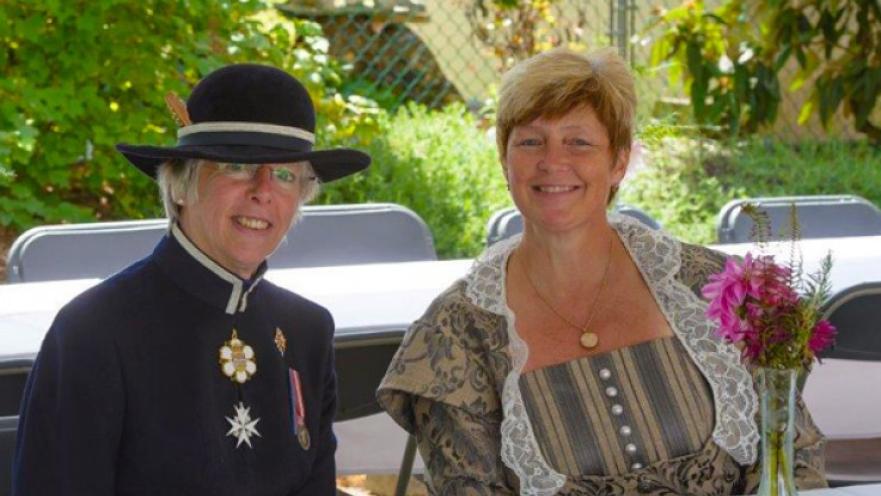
(576,358)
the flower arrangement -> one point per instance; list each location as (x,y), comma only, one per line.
(773,312)
(771,308)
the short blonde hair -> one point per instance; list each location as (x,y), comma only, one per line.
(178,185)
(555,82)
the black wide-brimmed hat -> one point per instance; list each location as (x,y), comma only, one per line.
(251,114)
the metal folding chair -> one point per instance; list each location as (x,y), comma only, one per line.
(818,217)
(79,251)
(361,363)
(856,313)
(853,457)
(507,222)
(13,376)
(325,236)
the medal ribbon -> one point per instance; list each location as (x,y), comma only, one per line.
(298,411)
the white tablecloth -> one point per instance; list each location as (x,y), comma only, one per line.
(866,490)
(368,295)
(393,295)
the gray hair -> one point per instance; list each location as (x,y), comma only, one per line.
(178,185)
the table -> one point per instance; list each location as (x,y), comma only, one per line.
(372,299)
(365,297)
(865,490)
(362,298)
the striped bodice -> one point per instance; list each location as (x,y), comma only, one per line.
(620,411)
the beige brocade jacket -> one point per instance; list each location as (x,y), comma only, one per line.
(454,383)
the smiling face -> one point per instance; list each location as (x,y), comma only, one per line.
(560,170)
(238,222)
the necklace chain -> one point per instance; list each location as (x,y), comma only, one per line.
(591,314)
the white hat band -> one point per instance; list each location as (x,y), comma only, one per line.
(248,127)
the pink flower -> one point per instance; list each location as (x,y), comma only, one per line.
(770,283)
(727,291)
(755,304)
(822,336)
(751,350)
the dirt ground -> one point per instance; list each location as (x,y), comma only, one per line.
(376,485)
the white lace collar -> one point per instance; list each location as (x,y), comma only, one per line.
(658,257)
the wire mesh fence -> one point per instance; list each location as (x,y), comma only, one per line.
(439,51)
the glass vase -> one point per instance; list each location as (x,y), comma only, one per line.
(777,394)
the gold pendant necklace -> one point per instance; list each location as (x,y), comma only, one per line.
(587,339)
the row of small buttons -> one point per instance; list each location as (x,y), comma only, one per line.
(618,410)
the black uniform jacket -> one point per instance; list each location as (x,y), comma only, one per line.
(127,395)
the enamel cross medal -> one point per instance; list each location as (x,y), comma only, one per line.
(241,425)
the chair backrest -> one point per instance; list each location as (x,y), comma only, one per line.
(355,234)
(326,235)
(361,362)
(507,222)
(856,314)
(503,224)
(13,376)
(631,211)
(75,251)
(818,217)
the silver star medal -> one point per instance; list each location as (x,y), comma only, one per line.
(241,426)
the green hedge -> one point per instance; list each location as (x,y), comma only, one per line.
(687,179)
(78,77)
(438,163)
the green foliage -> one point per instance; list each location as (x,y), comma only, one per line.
(728,74)
(774,168)
(441,165)
(78,77)
(687,179)
(673,186)
(839,43)
(729,59)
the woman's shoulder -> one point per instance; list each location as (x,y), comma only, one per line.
(696,257)
(697,263)
(454,315)
(450,353)
(106,306)
(90,324)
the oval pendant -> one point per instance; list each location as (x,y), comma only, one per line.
(589,340)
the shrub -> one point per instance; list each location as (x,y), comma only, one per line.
(673,186)
(439,164)
(78,77)
(687,179)
(774,168)
(730,57)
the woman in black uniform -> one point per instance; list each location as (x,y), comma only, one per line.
(187,373)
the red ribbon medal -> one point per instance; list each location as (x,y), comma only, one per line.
(298,409)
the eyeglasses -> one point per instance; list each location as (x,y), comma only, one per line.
(288,176)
